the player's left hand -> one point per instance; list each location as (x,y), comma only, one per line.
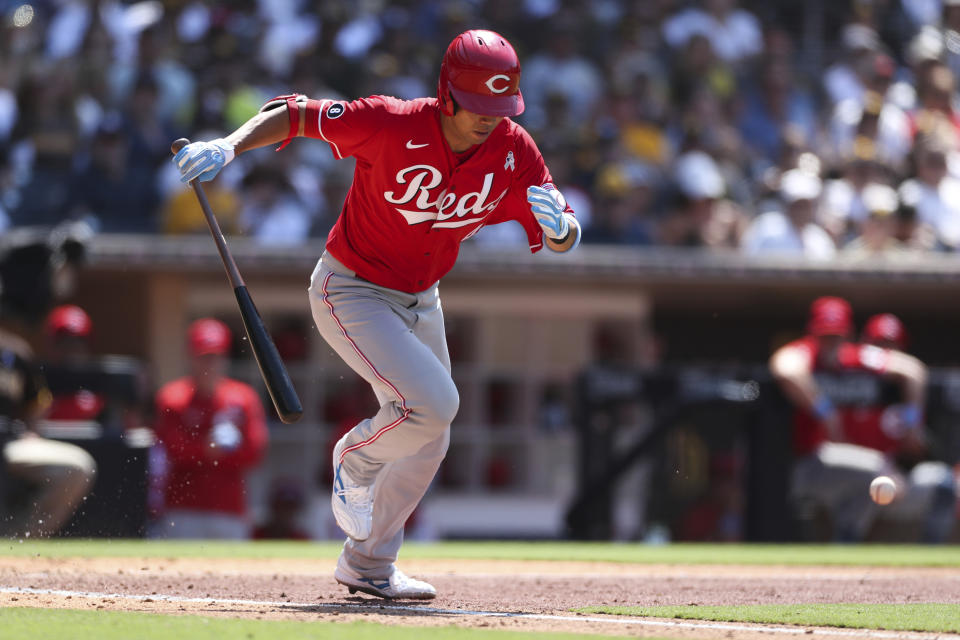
(548,205)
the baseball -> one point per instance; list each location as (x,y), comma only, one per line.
(883,490)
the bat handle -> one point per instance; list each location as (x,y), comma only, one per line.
(178,144)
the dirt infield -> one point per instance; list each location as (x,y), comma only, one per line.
(505,594)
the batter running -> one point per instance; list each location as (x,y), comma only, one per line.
(430,173)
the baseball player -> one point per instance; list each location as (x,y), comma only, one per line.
(430,173)
(213,431)
(56,475)
(885,330)
(68,330)
(847,430)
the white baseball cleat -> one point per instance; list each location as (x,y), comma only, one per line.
(399,586)
(352,503)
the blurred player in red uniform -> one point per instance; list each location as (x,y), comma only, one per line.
(846,429)
(430,173)
(68,330)
(938,496)
(213,431)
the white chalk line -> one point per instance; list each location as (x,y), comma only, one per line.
(378,607)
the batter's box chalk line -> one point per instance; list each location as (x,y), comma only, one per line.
(400,608)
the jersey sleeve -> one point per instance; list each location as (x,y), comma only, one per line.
(530,171)
(865,356)
(348,127)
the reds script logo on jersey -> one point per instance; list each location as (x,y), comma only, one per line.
(422,180)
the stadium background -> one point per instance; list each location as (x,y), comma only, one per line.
(91,94)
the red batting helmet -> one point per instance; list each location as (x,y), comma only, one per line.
(481,72)
(830,316)
(209,336)
(69,320)
(885,328)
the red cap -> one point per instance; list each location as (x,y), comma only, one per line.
(209,336)
(69,320)
(481,71)
(885,327)
(830,316)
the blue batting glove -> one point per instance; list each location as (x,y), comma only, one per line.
(203,160)
(548,206)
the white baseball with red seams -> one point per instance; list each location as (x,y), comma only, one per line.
(883,490)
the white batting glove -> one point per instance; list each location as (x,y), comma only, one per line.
(203,160)
(548,205)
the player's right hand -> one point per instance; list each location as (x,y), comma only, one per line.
(203,160)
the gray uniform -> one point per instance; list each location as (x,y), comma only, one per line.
(396,342)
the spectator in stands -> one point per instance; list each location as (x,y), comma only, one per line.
(934,193)
(874,121)
(47,135)
(842,209)
(270,211)
(878,232)
(702,217)
(182,214)
(622,214)
(950,23)
(791,231)
(734,33)
(560,69)
(148,132)
(848,78)
(777,103)
(845,432)
(912,233)
(936,91)
(114,193)
(213,431)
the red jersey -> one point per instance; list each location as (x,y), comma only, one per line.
(855,386)
(413,200)
(77,405)
(197,479)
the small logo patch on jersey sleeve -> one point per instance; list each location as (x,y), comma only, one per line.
(335,110)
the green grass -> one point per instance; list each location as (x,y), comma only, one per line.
(759,554)
(68,624)
(938,618)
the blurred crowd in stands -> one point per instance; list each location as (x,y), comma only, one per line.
(811,128)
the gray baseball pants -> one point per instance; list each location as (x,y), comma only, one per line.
(396,342)
(838,475)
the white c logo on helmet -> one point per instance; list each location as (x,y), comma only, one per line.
(493,89)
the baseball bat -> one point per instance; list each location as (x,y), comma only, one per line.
(274,373)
